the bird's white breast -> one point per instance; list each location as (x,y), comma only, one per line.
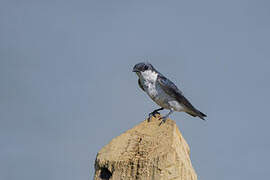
(149,79)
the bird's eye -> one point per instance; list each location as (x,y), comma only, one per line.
(145,67)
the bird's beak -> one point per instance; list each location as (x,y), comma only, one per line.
(135,70)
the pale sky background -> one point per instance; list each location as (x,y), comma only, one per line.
(67,88)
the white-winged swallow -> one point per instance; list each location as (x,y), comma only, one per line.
(163,92)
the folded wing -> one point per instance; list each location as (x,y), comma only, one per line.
(170,88)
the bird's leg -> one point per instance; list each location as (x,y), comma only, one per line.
(154,113)
(164,118)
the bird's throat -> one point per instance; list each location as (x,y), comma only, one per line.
(149,76)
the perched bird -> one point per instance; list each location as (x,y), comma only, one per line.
(163,92)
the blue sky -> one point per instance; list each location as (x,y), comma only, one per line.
(67,88)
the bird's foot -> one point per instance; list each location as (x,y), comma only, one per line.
(163,119)
(150,115)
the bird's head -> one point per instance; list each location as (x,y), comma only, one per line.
(145,70)
(141,67)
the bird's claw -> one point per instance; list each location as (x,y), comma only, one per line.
(150,115)
(163,120)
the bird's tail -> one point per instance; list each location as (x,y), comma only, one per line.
(201,115)
(198,113)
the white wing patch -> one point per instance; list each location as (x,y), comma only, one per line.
(176,105)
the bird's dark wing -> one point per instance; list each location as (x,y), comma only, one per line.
(170,88)
(139,82)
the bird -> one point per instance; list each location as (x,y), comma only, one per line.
(163,92)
